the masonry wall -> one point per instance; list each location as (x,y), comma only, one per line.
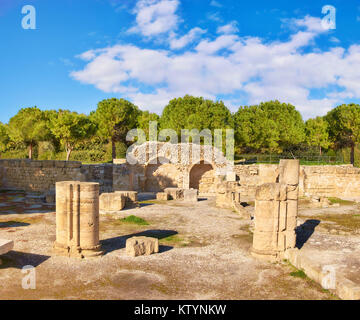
(32,175)
(329,181)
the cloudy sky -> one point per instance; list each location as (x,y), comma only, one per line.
(150,51)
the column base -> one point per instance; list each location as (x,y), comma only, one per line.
(77,252)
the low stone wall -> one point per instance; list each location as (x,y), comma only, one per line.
(328,181)
(32,175)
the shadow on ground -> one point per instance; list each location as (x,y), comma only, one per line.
(17,259)
(305,231)
(117,243)
(13,224)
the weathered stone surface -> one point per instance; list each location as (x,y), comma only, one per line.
(131,198)
(191,195)
(289,171)
(6,246)
(231,176)
(77,219)
(137,246)
(162,196)
(276,209)
(175,193)
(112,201)
(50,197)
(271,191)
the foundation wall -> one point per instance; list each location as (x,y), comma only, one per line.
(328,181)
(41,176)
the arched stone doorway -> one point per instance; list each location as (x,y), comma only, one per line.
(161,176)
(202,177)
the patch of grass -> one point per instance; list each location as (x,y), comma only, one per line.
(341,201)
(135,220)
(299,274)
(172,239)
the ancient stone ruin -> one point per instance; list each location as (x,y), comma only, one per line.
(77,219)
(138,246)
(276,206)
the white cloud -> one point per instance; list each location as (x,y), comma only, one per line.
(228,28)
(154,17)
(215,3)
(178,43)
(230,65)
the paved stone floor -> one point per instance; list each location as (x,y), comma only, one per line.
(204,254)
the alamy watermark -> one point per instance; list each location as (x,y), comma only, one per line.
(29,280)
(29,20)
(329,21)
(194,144)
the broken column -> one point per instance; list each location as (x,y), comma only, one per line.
(276,206)
(77,219)
(289,171)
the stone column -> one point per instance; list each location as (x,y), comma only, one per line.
(276,206)
(289,171)
(77,219)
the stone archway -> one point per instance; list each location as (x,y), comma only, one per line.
(202,177)
(160,176)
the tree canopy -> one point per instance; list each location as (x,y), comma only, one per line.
(344,127)
(114,118)
(71,128)
(317,133)
(195,113)
(28,127)
(270,126)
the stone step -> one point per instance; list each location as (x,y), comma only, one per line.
(6,246)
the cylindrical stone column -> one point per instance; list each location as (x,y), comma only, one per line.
(77,219)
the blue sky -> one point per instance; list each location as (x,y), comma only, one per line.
(150,51)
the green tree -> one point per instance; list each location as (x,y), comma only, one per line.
(195,113)
(71,128)
(344,127)
(143,120)
(28,127)
(115,117)
(317,133)
(4,137)
(268,127)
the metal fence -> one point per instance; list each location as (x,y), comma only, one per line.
(275,158)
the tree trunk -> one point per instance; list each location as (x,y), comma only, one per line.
(352,154)
(30,151)
(320,151)
(113,146)
(68,153)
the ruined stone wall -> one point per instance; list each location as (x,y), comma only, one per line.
(328,181)
(32,175)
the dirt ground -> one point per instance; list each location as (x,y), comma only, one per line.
(204,254)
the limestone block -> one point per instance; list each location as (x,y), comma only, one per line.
(263,240)
(137,246)
(131,198)
(292,208)
(6,246)
(292,192)
(289,171)
(119,161)
(231,176)
(162,196)
(175,193)
(271,191)
(191,195)
(112,201)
